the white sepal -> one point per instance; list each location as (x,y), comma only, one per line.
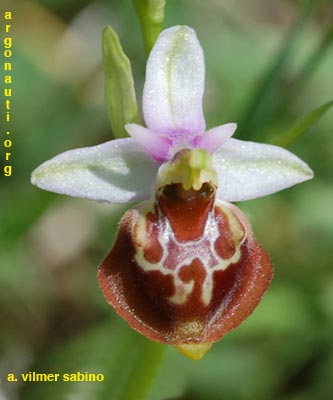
(117,171)
(247,170)
(174,86)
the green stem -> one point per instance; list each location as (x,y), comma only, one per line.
(151,16)
(150,357)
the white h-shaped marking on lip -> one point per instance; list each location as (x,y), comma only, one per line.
(202,249)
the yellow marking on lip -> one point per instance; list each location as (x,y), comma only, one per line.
(190,328)
(183,291)
(194,351)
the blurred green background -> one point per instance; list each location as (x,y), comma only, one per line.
(268,63)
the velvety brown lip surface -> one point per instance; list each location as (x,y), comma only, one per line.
(142,297)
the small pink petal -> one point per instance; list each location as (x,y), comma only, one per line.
(215,137)
(154,144)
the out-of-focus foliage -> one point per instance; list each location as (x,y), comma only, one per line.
(302,126)
(53,315)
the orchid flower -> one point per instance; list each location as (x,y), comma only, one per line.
(185,268)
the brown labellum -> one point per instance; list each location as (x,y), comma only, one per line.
(185,269)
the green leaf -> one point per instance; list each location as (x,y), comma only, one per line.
(119,85)
(313,61)
(303,125)
(151,16)
(262,101)
(293,86)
